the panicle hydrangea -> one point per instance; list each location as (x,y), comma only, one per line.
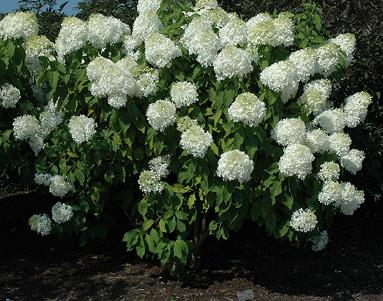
(352,198)
(185,122)
(144,6)
(346,43)
(218,17)
(129,47)
(205,45)
(303,220)
(104,30)
(9,96)
(284,30)
(145,24)
(196,141)
(264,30)
(61,213)
(49,119)
(205,4)
(19,25)
(160,51)
(261,30)
(232,62)
(111,79)
(331,193)
(82,128)
(327,58)
(149,181)
(332,121)
(25,127)
(35,47)
(315,96)
(304,61)
(183,94)
(43,179)
(253,53)
(41,224)
(234,32)
(146,83)
(353,161)
(161,114)
(296,161)
(355,108)
(160,165)
(247,108)
(317,141)
(59,187)
(289,131)
(281,77)
(329,171)
(339,143)
(235,165)
(193,29)
(319,241)
(73,35)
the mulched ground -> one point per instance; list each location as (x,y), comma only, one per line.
(35,268)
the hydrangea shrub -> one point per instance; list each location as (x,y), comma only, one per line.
(191,123)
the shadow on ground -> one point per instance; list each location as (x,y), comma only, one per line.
(351,268)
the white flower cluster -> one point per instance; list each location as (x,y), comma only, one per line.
(339,143)
(303,220)
(61,213)
(148,5)
(353,161)
(232,62)
(160,165)
(58,186)
(146,23)
(104,30)
(289,131)
(319,241)
(40,223)
(18,25)
(281,77)
(331,193)
(82,128)
(196,141)
(9,96)
(247,108)
(264,30)
(112,80)
(328,57)
(185,122)
(150,181)
(161,114)
(183,94)
(73,36)
(235,165)
(355,108)
(205,4)
(43,179)
(317,141)
(315,96)
(332,120)
(346,43)
(35,47)
(160,50)
(29,128)
(329,171)
(234,32)
(304,61)
(296,161)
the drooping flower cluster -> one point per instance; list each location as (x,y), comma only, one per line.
(196,141)
(332,121)
(235,165)
(296,161)
(247,108)
(82,128)
(40,223)
(317,141)
(355,108)
(346,43)
(61,213)
(303,220)
(18,25)
(9,96)
(352,162)
(161,114)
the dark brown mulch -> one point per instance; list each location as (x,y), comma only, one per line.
(351,268)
